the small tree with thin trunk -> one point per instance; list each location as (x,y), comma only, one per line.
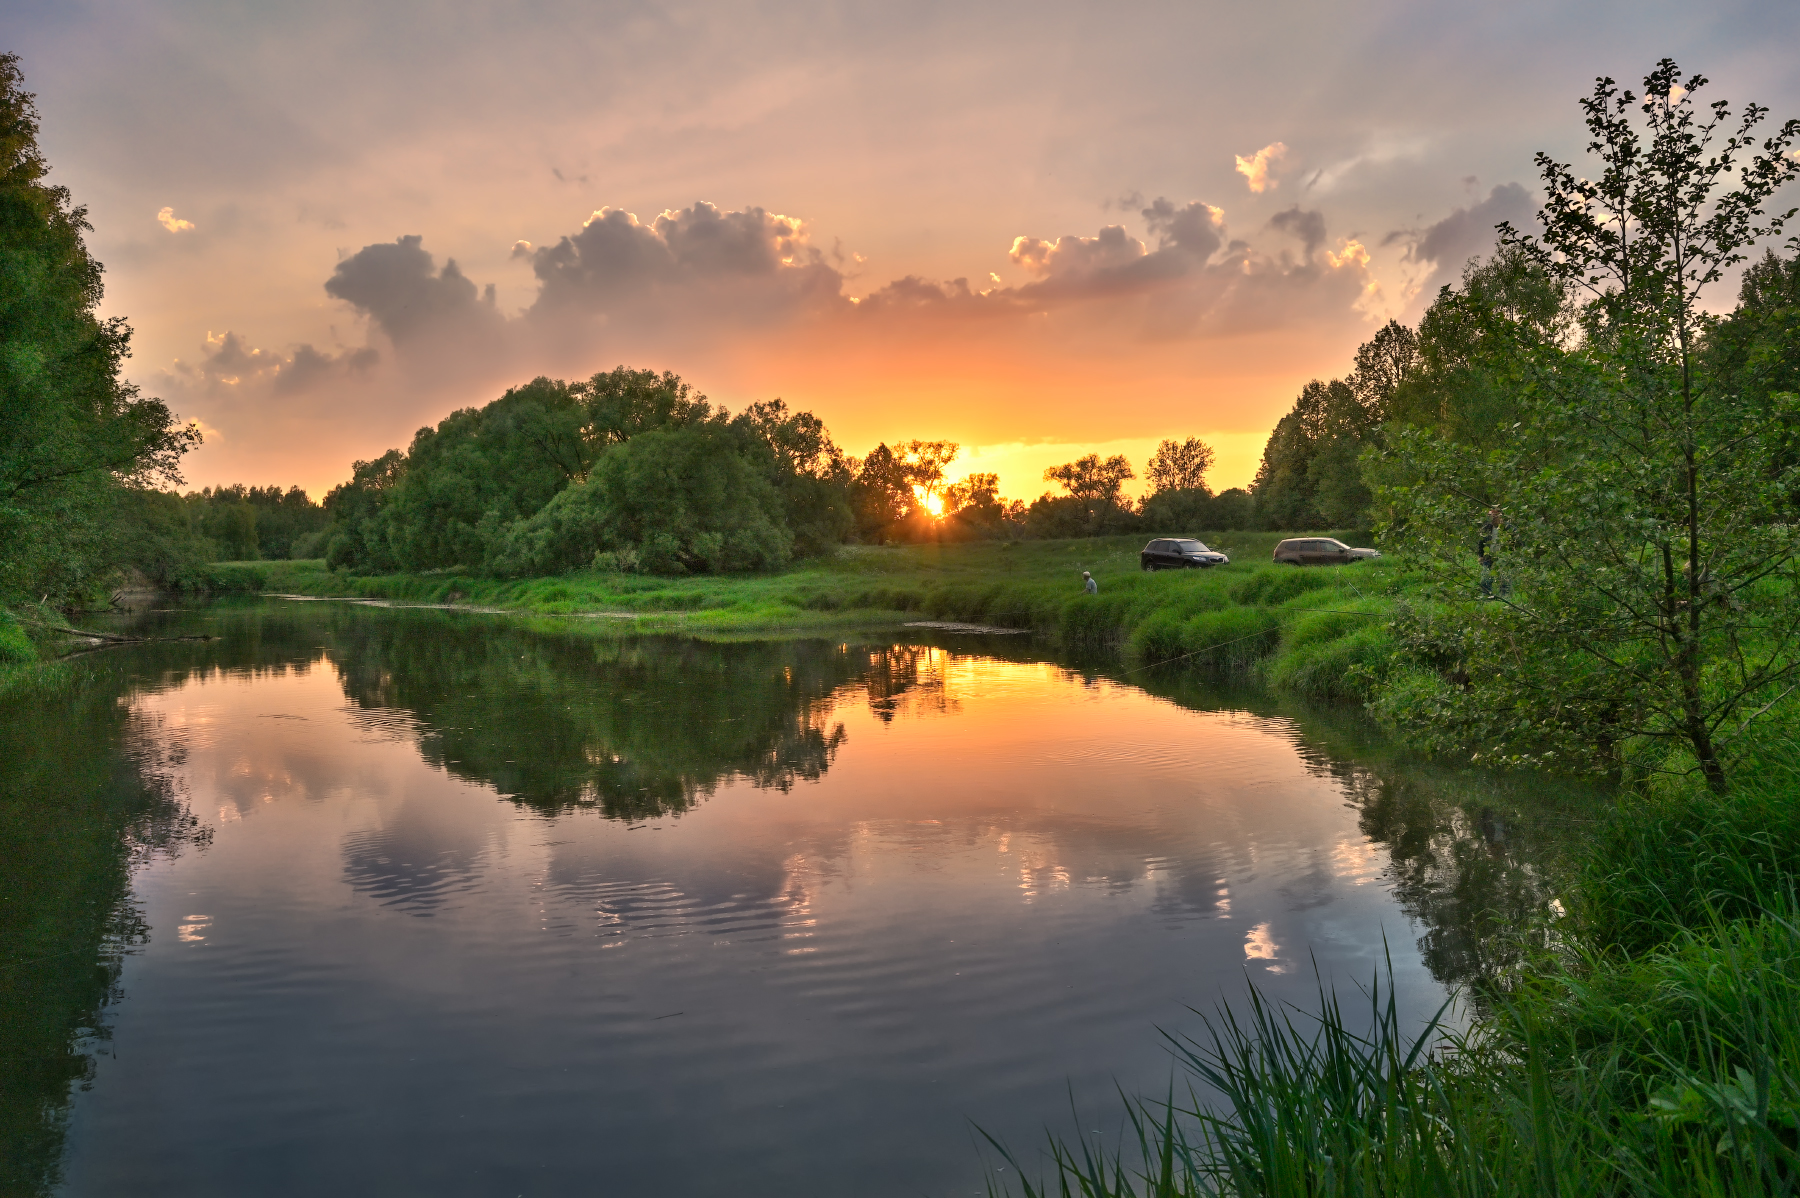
(1649,552)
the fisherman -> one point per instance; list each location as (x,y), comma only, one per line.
(1488,552)
(1090,586)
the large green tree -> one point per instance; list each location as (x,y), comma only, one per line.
(1644,569)
(73,433)
(1311,475)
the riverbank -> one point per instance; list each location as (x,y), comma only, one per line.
(1317,634)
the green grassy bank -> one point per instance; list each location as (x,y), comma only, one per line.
(1316,633)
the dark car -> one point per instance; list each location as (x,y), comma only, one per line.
(1171,553)
(1320,551)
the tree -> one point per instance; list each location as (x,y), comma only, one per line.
(679,499)
(1650,552)
(1095,503)
(1095,482)
(1179,466)
(896,489)
(1311,474)
(1459,384)
(881,495)
(975,504)
(74,436)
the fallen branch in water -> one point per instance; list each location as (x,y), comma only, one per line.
(109,639)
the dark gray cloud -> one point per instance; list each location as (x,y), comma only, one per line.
(397,285)
(1184,287)
(1194,228)
(1307,226)
(1469,232)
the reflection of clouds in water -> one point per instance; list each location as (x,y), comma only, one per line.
(1259,945)
(415,865)
(1359,862)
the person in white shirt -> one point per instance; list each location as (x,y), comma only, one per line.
(1090,586)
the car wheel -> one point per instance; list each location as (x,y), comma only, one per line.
(1147,567)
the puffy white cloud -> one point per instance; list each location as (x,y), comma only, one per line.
(1077,257)
(167,219)
(749,265)
(1258,169)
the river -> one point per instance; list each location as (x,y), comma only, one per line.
(360,900)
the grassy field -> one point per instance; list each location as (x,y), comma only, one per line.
(1315,632)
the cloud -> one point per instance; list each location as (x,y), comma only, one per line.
(1257,168)
(1467,233)
(1076,257)
(174,224)
(752,265)
(1309,227)
(395,284)
(230,365)
(1194,228)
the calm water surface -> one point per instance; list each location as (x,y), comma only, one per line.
(429,903)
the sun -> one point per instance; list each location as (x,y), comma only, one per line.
(931,502)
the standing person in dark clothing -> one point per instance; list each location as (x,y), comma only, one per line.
(1489,552)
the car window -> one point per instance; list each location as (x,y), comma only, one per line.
(1334,545)
(1190,546)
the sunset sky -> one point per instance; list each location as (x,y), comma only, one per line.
(1035,229)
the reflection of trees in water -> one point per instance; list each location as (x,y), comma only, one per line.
(87,792)
(907,680)
(1466,863)
(1470,855)
(635,729)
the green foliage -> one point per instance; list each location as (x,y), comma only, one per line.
(247,523)
(71,430)
(680,499)
(1645,561)
(628,463)
(157,535)
(1310,475)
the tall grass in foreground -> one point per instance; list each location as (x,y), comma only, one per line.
(1650,1050)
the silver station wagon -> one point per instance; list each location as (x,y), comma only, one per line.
(1320,551)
